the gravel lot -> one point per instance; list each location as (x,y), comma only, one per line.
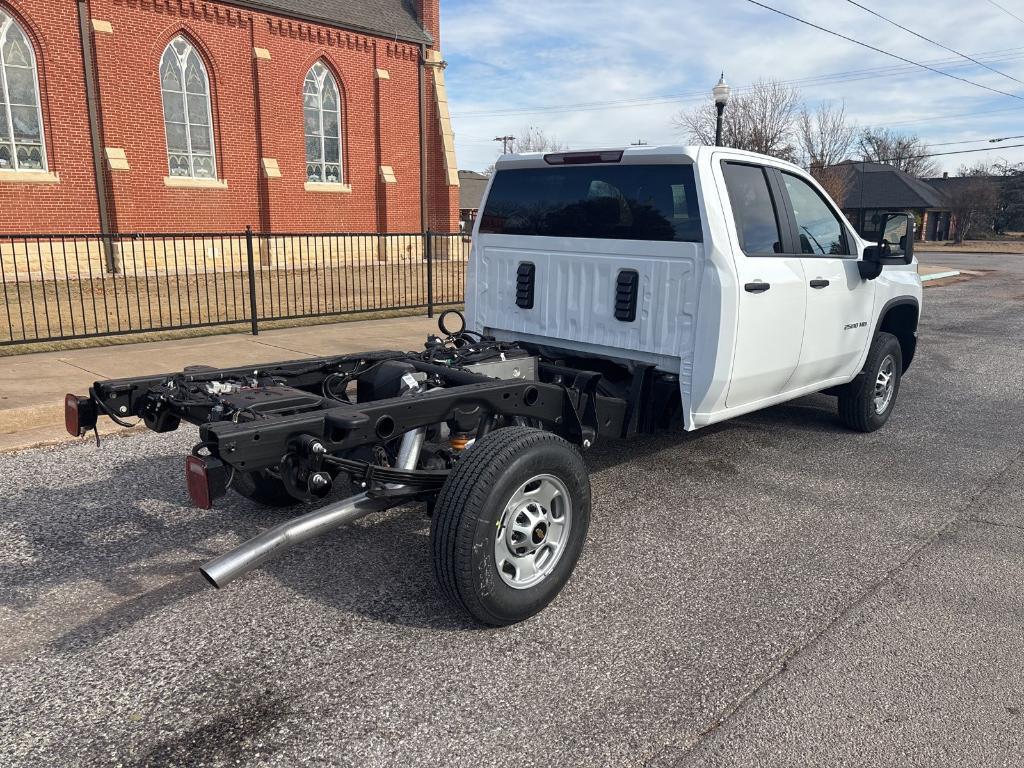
(771,591)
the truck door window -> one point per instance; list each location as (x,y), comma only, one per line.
(757,222)
(618,202)
(821,233)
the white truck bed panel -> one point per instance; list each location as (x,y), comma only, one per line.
(573,303)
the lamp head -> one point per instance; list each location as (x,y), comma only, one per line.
(721,92)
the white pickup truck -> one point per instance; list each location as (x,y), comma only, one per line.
(610,294)
(732,270)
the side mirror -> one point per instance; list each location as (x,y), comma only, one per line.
(895,245)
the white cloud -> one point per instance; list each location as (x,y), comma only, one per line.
(547,55)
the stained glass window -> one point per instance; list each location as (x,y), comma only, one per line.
(322,118)
(188,119)
(22,146)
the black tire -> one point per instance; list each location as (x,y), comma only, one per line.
(470,508)
(857,400)
(263,488)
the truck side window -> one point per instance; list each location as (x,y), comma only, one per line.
(757,222)
(821,232)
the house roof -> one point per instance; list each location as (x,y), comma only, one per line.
(389,18)
(876,185)
(471,189)
(951,185)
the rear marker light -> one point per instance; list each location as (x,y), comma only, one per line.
(71,416)
(79,414)
(206,478)
(198,482)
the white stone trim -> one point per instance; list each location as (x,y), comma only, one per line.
(29,177)
(324,186)
(117,160)
(187,182)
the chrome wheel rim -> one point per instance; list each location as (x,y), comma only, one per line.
(533,531)
(885,384)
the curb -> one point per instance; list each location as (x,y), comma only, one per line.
(940,275)
(954,252)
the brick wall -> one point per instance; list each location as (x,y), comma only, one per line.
(257,109)
(70,205)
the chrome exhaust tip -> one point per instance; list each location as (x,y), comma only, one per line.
(258,550)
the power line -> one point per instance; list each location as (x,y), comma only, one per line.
(882,51)
(847,76)
(1008,13)
(926,154)
(933,42)
(903,157)
(953,116)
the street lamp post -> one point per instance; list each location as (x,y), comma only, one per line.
(721,93)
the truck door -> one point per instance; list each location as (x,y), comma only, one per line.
(839,301)
(772,288)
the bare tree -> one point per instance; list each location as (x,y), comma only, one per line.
(974,201)
(1011,203)
(531,139)
(903,151)
(761,118)
(826,138)
(534,139)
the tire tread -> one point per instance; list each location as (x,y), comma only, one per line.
(856,405)
(464,494)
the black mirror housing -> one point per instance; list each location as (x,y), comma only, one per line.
(895,228)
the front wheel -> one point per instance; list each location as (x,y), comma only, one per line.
(866,403)
(510,523)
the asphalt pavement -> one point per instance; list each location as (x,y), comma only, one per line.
(771,591)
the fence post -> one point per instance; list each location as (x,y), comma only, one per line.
(428,251)
(252,281)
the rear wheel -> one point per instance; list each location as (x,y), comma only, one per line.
(866,403)
(510,523)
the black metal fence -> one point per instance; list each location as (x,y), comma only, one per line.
(76,286)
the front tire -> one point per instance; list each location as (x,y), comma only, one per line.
(867,402)
(510,523)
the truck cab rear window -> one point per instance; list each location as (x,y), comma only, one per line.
(620,202)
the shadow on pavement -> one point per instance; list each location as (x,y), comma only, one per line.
(134,537)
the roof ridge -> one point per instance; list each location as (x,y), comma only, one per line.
(382,18)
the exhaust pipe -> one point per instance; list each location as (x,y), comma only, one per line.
(222,570)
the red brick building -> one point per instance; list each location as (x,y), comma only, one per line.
(192,116)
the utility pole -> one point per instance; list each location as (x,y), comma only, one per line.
(506,143)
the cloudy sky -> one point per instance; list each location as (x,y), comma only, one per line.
(612,72)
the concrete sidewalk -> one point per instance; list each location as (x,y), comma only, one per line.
(32,387)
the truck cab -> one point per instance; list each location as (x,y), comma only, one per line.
(732,270)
